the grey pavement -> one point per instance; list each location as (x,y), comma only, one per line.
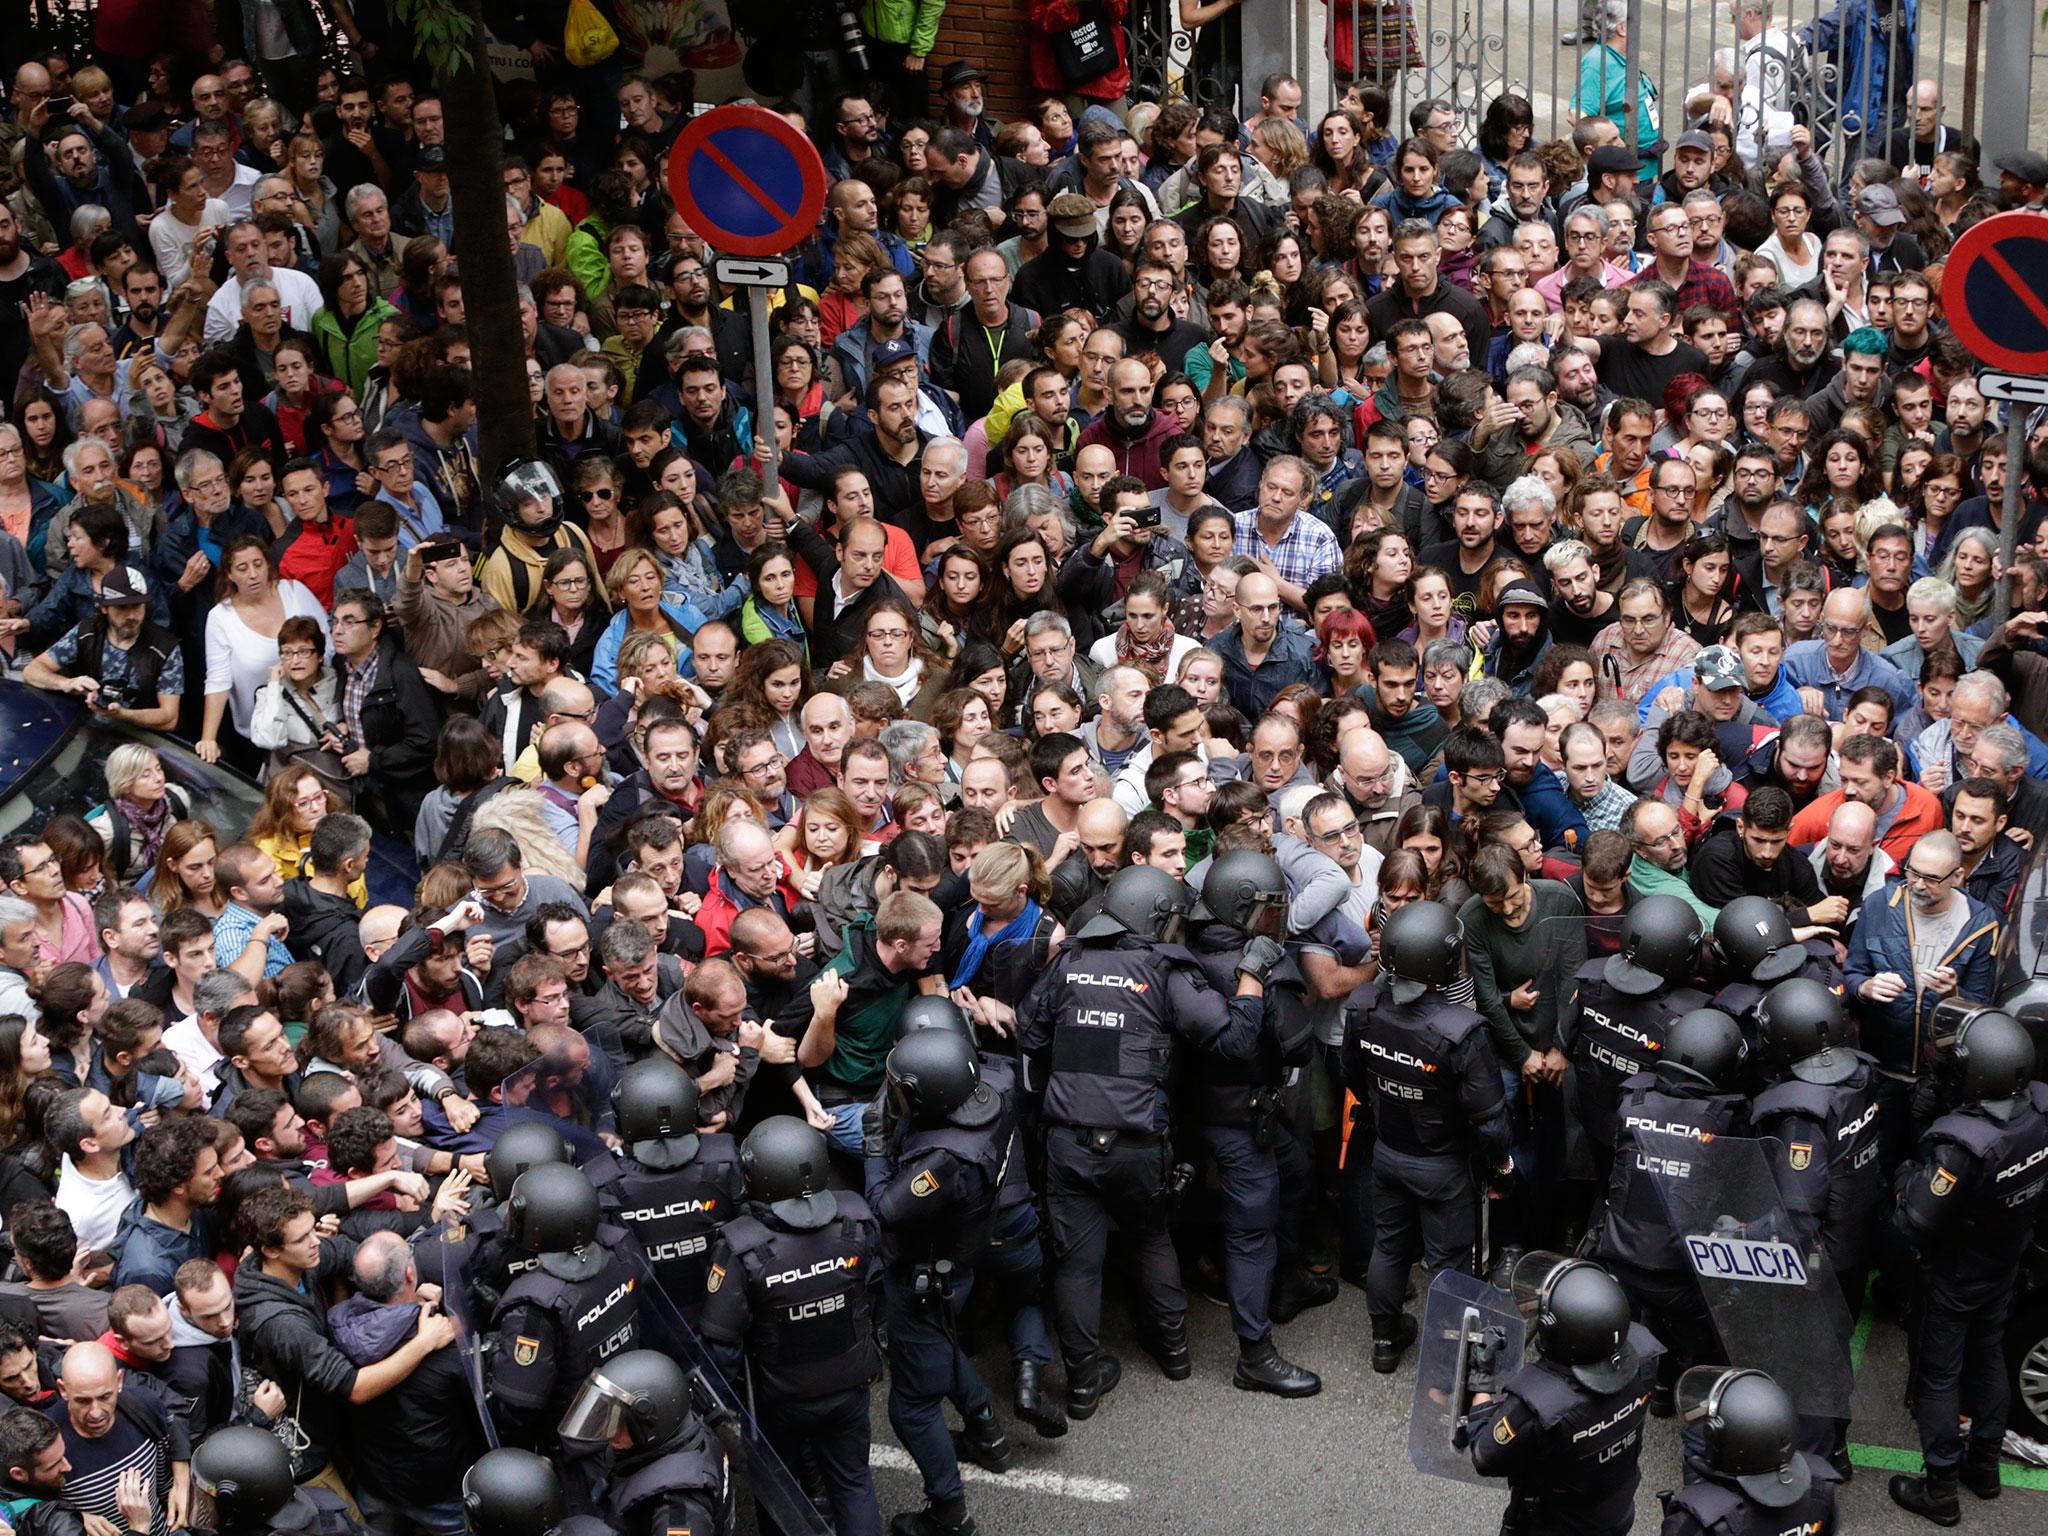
(1200,1456)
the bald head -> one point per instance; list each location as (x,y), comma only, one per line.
(378,927)
(1845,606)
(1100,825)
(566,698)
(90,1382)
(1655,822)
(1852,837)
(1363,762)
(383,1268)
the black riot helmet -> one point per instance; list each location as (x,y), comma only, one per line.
(248,1475)
(1703,1047)
(1246,890)
(642,1392)
(1421,946)
(1660,946)
(655,1104)
(510,1492)
(1991,1063)
(934,1078)
(1581,1317)
(1142,901)
(529,498)
(1801,1029)
(1755,939)
(524,1144)
(784,1163)
(554,1213)
(934,1013)
(1752,1432)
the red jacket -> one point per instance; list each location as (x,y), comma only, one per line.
(721,906)
(1920,815)
(315,553)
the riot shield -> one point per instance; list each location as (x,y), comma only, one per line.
(571,1085)
(1776,1304)
(725,1410)
(1466,1324)
(449,1247)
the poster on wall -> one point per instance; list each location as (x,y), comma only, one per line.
(659,36)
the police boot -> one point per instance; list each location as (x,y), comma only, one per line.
(1087,1382)
(1036,1406)
(929,1521)
(1391,1337)
(1979,1471)
(1932,1497)
(1170,1349)
(1262,1368)
(982,1442)
(1296,1290)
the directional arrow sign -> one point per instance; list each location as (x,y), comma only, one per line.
(2020,389)
(750,272)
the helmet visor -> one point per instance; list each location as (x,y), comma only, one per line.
(1700,1389)
(1267,918)
(1534,1274)
(595,1413)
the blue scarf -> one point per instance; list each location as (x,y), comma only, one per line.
(980,943)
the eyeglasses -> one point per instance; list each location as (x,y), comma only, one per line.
(297,653)
(1640,621)
(1674,836)
(1922,877)
(763,769)
(889,634)
(1842,631)
(1492,777)
(598,493)
(570,583)
(571,954)
(1342,834)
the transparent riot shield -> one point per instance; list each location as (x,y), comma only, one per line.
(571,1085)
(725,1410)
(1467,1326)
(448,1248)
(1776,1303)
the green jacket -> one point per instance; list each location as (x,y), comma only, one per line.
(350,358)
(586,258)
(1647,879)
(915,22)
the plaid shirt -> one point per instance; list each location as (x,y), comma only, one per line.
(357,681)
(231,933)
(1307,550)
(1631,680)
(1604,811)
(1704,283)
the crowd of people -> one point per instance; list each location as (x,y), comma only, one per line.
(1588,547)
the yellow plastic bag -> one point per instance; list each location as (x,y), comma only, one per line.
(588,38)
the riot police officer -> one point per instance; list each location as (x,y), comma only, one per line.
(1971,1203)
(670,1474)
(574,1308)
(1260,1162)
(1751,1479)
(675,1188)
(1690,1094)
(1098,1034)
(490,1257)
(789,1285)
(935,1192)
(1754,941)
(1567,1430)
(1425,1068)
(1624,1002)
(1014,1261)
(247,1473)
(510,1492)
(1821,1108)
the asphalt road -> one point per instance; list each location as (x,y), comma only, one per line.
(1200,1456)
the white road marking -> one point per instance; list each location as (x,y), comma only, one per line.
(1061,1485)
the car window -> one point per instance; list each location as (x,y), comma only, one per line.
(74,780)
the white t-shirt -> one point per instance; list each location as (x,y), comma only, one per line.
(301,296)
(94,1205)
(1934,937)
(171,240)
(199,1054)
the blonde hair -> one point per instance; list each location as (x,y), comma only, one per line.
(125,764)
(1005,866)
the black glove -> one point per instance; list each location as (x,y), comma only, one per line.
(1260,956)
(1482,1368)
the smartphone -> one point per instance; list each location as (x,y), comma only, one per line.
(59,106)
(1144,517)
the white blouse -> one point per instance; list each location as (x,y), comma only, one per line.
(238,659)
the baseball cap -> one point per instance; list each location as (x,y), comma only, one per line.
(1694,139)
(122,586)
(1881,205)
(890,353)
(1611,157)
(430,157)
(1073,215)
(1718,668)
(1524,593)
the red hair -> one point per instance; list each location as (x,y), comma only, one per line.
(1345,624)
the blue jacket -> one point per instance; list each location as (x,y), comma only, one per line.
(1895,1032)
(853,344)
(1550,810)
(1291,660)
(1806,666)
(604,663)
(1871,65)
(1781,702)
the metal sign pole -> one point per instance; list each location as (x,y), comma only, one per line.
(2009,528)
(764,380)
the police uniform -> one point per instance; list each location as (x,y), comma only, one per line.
(1569,1453)
(936,1194)
(679,1489)
(1013,1263)
(1636,1243)
(1610,1036)
(1428,1073)
(796,1301)
(1739,996)
(1260,1162)
(1971,1203)
(550,1333)
(676,1212)
(1099,1031)
(1712,1507)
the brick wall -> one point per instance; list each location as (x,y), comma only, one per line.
(991,34)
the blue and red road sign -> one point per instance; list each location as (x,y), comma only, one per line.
(1994,292)
(747,181)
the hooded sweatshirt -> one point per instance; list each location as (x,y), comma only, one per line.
(411,1445)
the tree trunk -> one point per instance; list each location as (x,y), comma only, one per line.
(490,287)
